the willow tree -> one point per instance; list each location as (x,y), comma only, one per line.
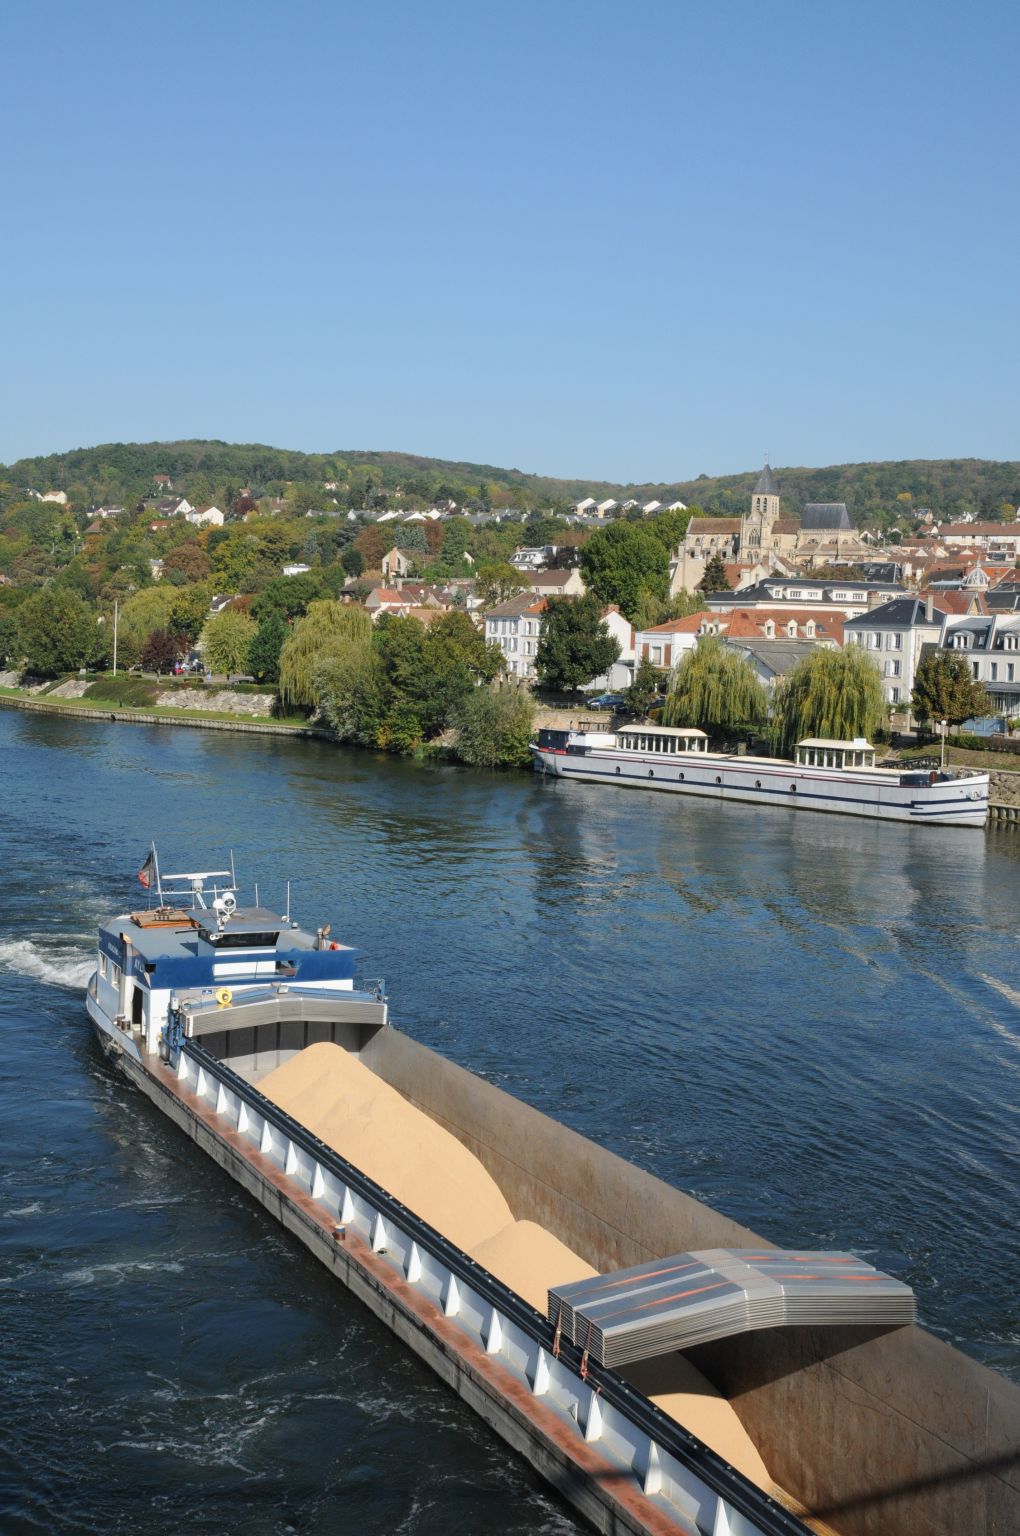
(326,629)
(836,694)
(715,689)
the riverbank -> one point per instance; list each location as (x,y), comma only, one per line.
(1004,783)
(204,719)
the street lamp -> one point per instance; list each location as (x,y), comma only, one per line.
(943,729)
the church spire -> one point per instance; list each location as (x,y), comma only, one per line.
(766,483)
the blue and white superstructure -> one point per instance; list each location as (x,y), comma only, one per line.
(195,945)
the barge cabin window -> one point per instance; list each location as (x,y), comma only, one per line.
(817,752)
(662,738)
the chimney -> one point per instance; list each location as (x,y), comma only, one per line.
(929,609)
(874,600)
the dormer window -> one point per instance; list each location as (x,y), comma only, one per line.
(770,629)
(809,629)
(962,641)
(791,629)
(1011,642)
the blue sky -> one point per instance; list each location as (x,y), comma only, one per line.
(633,241)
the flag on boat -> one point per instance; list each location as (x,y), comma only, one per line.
(148,870)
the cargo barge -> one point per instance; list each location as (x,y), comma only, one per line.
(221,1014)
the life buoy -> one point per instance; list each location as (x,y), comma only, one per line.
(224,997)
(334,945)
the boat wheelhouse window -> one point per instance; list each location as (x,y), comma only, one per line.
(115,973)
(228,940)
(104,964)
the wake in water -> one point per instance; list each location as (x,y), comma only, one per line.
(58,965)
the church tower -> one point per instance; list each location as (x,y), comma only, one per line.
(757,525)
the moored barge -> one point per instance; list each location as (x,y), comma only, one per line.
(827,775)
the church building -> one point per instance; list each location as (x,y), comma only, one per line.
(762,541)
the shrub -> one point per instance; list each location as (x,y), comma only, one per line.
(493,730)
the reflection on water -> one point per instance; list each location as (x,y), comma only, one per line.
(809,1021)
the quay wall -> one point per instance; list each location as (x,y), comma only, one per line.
(141,717)
(878,1433)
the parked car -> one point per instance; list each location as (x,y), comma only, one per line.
(612,701)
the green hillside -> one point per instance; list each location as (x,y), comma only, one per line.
(881,493)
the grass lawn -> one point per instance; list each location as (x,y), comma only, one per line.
(961,757)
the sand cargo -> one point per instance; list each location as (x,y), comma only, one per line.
(451,1208)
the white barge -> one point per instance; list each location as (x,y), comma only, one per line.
(204,1005)
(838,776)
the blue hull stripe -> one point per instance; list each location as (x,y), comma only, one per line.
(912,810)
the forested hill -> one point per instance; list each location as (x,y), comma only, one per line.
(214,471)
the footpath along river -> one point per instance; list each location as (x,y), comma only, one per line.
(811,1022)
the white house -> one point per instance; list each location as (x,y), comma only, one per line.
(651,506)
(584,508)
(516,627)
(296,568)
(621,674)
(991,644)
(205,517)
(895,635)
(605,507)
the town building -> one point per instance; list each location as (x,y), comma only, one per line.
(896,635)
(556,583)
(848,597)
(824,535)
(991,644)
(397,561)
(516,627)
(205,517)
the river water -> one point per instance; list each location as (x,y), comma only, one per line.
(811,1022)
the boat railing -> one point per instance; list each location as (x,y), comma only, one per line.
(218,1083)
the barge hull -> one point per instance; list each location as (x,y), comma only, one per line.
(942,805)
(565,1448)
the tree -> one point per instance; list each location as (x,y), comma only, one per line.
(140,614)
(162,651)
(186,564)
(575,644)
(644,690)
(189,611)
(715,578)
(494,729)
(288,596)
(10,643)
(265,648)
(669,527)
(320,634)
(624,561)
(830,693)
(653,610)
(497,580)
(715,689)
(945,690)
(226,641)
(353,561)
(58,633)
